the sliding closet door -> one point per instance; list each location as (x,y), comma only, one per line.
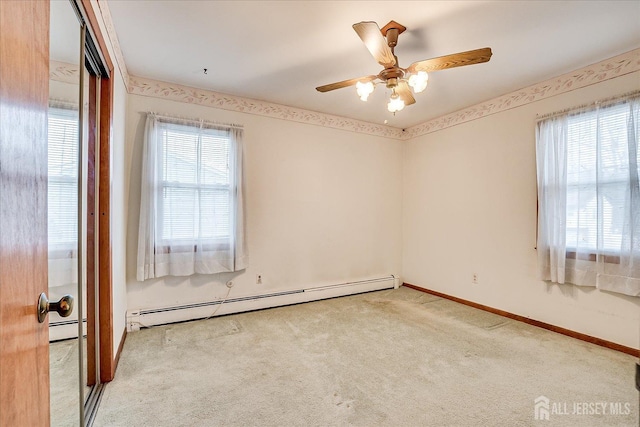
(74,141)
(65,182)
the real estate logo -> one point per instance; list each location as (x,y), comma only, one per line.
(541,408)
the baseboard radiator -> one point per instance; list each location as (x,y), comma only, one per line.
(137,319)
(65,329)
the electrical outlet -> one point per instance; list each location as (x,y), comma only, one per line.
(474,279)
(258,279)
(133,321)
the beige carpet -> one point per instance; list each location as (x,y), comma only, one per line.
(392,358)
(64,379)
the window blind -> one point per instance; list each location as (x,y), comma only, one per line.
(63,178)
(597,177)
(196,196)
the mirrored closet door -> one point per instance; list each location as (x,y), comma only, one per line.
(72,232)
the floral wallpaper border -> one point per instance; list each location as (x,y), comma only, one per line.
(617,66)
(64,72)
(176,92)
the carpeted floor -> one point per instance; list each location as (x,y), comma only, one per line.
(64,374)
(388,358)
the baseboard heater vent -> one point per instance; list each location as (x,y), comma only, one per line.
(65,329)
(179,313)
(214,303)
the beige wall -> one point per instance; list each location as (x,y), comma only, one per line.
(119,207)
(469,204)
(323,207)
(327,206)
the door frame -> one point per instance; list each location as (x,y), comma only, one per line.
(107,358)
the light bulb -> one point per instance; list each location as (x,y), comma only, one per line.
(419,81)
(395,103)
(364,90)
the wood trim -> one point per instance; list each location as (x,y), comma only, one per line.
(91,233)
(103,173)
(119,352)
(573,334)
(107,363)
(95,31)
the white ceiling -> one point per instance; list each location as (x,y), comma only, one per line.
(64,29)
(279,51)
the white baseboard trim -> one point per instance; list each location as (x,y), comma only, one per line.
(165,315)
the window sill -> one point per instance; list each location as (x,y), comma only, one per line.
(590,256)
(186,248)
(62,252)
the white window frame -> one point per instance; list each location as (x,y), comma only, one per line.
(166,245)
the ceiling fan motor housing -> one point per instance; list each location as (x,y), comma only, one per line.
(391,76)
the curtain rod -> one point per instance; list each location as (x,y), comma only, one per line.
(580,108)
(199,121)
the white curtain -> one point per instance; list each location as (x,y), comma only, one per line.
(192,201)
(589,197)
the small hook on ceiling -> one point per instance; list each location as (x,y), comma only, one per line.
(205,70)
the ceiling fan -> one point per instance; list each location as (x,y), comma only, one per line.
(381,43)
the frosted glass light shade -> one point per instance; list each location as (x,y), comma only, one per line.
(364,90)
(395,103)
(419,81)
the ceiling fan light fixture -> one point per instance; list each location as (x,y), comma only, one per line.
(395,103)
(404,82)
(418,81)
(364,90)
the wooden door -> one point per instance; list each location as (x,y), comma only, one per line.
(24,80)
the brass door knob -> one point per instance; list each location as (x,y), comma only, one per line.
(64,307)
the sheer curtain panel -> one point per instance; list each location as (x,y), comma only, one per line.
(192,204)
(589,197)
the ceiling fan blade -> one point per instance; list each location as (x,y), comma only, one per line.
(404,93)
(345,83)
(370,34)
(450,61)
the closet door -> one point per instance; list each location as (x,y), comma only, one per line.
(67,206)
(74,111)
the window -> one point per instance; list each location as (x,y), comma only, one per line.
(196,185)
(191,212)
(63,179)
(589,197)
(597,178)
